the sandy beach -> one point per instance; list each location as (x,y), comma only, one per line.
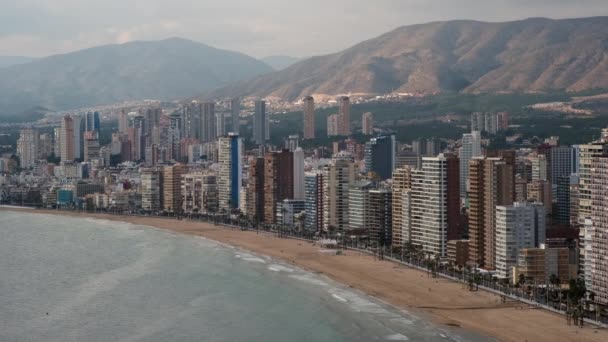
(445,302)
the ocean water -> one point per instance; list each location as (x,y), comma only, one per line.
(75,279)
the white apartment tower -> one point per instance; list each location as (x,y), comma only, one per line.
(471,147)
(429,219)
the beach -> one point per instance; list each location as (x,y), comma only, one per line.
(445,302)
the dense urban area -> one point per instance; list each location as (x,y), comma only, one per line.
(527,220)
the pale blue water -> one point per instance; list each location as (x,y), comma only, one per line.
(107,281)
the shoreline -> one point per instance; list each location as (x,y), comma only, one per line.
(446,303)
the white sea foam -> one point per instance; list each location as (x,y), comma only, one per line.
(280,268)
(309,278)
(403,321)
(397,337)
(255,259)
(339,298)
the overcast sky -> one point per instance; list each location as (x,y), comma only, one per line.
(256,27)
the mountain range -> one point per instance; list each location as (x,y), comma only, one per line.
(168,69)
(531,55)
(280,62)
(6,61)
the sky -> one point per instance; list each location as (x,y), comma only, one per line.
(256,27)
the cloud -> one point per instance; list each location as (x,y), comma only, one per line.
(256,27)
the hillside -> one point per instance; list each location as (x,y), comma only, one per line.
(529,55)
(280,62)
(6,61)
(166,69)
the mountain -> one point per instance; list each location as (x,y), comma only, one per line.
(280,62)
(6,61)
(535,54)
(166,69)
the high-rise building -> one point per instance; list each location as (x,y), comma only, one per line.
(455,226)
(260,123)
(28,147)
(402,185)
(471,147)
(199,193)
(208,126)
(278,182)
(490,184)
(67,138)
(429,217)
(562,206)
(539,167)
(380,156)
(309,117)
(91,145)
(379,215)
(518,226)
(298,174)
(172,187)
(333,122)
(57,140)
(230,176)
(235,111)
(562,162)
(255,190)
(340,174)
(220,124)
(91,122)
(367,123)
(79,128)
(123,122)
(314,185)
(358,205)
(541,191)
(596,260)
(344,116)
(151,190)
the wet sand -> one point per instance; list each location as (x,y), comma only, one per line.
(445,302)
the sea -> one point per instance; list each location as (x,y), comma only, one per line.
(80,279)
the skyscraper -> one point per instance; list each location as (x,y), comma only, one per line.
(123,122)
(208,126)
(379,215)
(596,261)
(220,124)
(402,184)
(471,147)
(340,174)
(491,184)
(151,190)
(79,126)
(298,174)
(562,162)
(314,184)
(28,147)
(230,175)
(259,122)
(278,182)
(172,187)
(367,123)
(344,116)
(255,190)
(235,111)
(67,138)
(429,217)
(92,122)
(333,122)
(518,226)
(380,156)
(309,117)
